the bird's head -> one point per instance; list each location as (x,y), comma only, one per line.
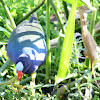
(22,65)
(19,68)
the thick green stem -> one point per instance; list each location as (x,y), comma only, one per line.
(58,16)
(28,14)
(93,18)
(92,26)
(48,59)
(9,14)
(65,9)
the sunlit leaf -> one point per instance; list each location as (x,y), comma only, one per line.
(67,46)
(95,79)
(70,1)
(38,86)
(48,85)
(81,2)
(88,4)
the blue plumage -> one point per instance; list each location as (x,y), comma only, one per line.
(27,45)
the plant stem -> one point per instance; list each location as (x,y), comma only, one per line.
(67,47)
(65,9)
(58,16)
(33,10)
(9,14)
(93,18)
(48,59)
(92,26)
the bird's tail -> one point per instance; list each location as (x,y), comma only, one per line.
(33,17)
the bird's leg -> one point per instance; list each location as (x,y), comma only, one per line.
(32,83)
(92,69)
(93,73)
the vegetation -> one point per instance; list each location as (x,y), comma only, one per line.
(66,74)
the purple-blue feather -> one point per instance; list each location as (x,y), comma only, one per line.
(27,45)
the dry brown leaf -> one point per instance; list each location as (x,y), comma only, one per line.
(87,38)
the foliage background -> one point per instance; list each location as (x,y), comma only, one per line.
(80,74)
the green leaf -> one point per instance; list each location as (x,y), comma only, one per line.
(38,86)
(96,79)
(25,91)
(67,46)
(48,85)
(88,4)
(82,2)
(79,2)
(70,1)
(7,33)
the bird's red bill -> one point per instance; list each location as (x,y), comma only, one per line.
(20,74)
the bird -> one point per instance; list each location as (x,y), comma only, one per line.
(27,46)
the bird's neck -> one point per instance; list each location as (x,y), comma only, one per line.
(26,60)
